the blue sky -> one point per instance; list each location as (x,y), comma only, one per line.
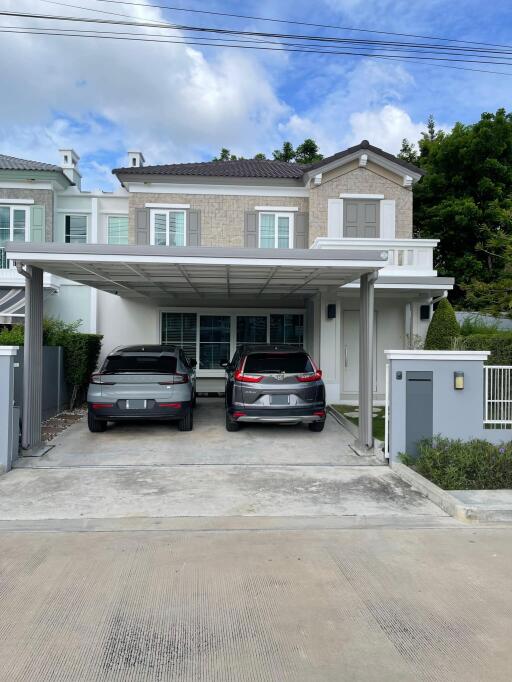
(177,103)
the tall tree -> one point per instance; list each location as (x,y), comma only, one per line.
(408,151)
(260,156)
(225,155)
(286,153)
(465,199)
(308,152)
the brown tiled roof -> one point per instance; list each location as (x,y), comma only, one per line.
(256,168)
(12,163)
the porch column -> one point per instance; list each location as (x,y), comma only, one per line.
(32,359)
(366,322)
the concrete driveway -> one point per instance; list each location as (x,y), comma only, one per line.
(154,471)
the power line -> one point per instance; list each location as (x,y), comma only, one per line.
(224,31)
(113,36)
(299,23)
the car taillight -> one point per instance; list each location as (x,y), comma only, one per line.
(175,405)
(100,406)
(247,378)
(237,415)
(310,376)
(176,379)
(97,379)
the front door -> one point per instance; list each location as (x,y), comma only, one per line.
(350,350)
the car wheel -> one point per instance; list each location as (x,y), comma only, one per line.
(231,425)
(316,426)
(194,400)
(95,425)
(187,423)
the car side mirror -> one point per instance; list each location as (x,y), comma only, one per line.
(224,364)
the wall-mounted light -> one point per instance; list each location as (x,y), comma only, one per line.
(331,311)
(458,381)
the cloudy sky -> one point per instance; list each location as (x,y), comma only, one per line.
(180,103)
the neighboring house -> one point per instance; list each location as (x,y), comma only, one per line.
(357,203)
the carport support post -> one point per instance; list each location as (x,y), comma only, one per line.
(366,316)
(32,360)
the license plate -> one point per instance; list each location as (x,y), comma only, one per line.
(136,404)
(279,399)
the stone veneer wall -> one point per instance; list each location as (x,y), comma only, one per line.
(369,180)
(41,197)
(222,216)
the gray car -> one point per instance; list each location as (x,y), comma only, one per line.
(143,382)
(281,384)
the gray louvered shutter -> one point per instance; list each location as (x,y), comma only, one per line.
(37,224)
(301,231)
(251,230)
(194,228)
(360,219)
(142,226)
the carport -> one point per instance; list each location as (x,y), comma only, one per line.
(193,276)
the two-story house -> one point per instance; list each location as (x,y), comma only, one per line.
(210,255)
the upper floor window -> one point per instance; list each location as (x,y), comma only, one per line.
(14,224)
(76,229)
(117,229)
(361,219)
(168,228)
(276,230)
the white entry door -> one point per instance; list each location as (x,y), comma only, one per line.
(350,351)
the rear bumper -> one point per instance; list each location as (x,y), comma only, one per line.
(156,411)
(279,415)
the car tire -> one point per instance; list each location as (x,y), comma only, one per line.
(187,422)
(231,425)
(194,400)
(316,426)
(95,425)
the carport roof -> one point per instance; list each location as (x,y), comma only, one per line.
(203,275)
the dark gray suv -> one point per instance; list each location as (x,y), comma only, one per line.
(281,384)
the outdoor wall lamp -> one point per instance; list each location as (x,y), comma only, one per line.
(458,381)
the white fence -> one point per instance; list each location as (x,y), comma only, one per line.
(498,395)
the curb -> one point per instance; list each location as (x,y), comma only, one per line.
(448,502)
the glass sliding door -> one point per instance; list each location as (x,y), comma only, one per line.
(214,340)
(287,328)
(251,329)
(180,329)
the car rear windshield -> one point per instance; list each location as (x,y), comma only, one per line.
(270,363)
(145,364)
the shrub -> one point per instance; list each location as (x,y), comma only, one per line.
(81,351)
(499,343)
(443,327)
(463,465)
(476,324)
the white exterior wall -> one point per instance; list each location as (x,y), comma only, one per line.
(97,206)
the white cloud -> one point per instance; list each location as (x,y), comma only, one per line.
(385,127)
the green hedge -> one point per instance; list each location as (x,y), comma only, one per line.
(463,465)
(499,343)
(81,351)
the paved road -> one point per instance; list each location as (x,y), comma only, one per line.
(258,606)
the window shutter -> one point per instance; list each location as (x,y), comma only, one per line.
(335,218)
(142,226)
(301,236)
(387,219)
(251,230)
(194,228)
(37,224)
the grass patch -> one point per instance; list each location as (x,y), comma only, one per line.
(463,465)
(378,418)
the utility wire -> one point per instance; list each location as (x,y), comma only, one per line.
(113,36)
(223,31)
(297,23)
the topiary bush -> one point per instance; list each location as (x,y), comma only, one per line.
(443,327)
(463,465)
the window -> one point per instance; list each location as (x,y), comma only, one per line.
(14,226)
(289,363)
(76,229)
(361,219)
(287,329)
(168,228)
(276,230)
(214,340)
(143,364)
(251,329)
(180,329)
(117,229)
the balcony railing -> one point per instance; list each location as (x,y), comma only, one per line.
(413,257)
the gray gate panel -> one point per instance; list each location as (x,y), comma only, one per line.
(419,409)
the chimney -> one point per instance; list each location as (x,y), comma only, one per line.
(135,159)
(69,163)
